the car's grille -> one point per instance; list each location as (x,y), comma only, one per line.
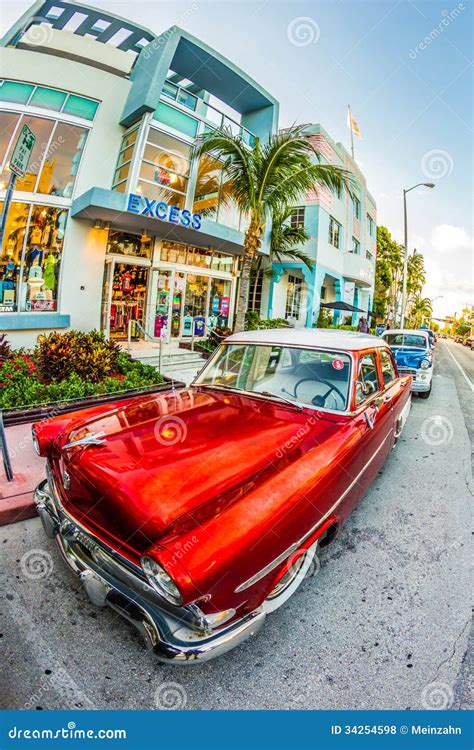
(407,370)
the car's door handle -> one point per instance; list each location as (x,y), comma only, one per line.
(386,399)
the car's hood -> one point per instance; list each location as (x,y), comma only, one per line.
(173,455)
(409,357)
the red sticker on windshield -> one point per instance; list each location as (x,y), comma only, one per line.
(338,364)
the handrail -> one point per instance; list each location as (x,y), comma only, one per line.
(4,448)
(129,340)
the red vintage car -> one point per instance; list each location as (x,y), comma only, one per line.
(196,512)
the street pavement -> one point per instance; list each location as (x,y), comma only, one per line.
(383,624)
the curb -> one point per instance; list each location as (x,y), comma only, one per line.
(17,508)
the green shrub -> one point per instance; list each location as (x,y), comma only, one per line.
(253,322)
(89,355)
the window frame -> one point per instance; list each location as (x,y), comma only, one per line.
(355,250)
(356,207)
(334,224)
(393,364)
(362,354)
(295,217)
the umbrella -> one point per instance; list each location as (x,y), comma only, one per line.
(341,306)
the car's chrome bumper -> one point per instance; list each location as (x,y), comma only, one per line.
(174,634)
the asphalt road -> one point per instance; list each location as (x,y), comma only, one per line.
(383,624)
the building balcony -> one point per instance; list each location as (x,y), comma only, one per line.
(358,268)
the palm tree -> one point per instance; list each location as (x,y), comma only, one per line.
(273,174)
(421,308)
(284,241)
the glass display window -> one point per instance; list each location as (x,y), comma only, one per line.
(42,259)
(124,243)
(128,300)
(219,303)
(62,160)
(55,158)
(11,256)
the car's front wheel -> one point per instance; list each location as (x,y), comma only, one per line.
(292,579)
(425,394)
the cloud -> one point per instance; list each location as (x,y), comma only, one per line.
(448,238)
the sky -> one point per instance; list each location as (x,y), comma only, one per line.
(406,69)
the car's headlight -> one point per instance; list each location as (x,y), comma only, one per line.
(425,363)
(161,581)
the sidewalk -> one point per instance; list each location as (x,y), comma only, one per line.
(16,498)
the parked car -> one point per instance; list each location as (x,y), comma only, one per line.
(413,354)
(468,341)
(196,513)
(431,334)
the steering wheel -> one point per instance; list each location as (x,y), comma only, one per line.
(320,399)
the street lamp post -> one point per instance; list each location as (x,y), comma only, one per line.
(405,259)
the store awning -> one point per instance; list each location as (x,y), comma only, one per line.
(111,206)
(345,306)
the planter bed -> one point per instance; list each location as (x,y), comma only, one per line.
(37,413)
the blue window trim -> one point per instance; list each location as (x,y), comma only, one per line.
(33,321)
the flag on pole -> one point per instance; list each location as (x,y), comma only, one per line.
(352,125)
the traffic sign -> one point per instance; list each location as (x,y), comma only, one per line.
(22,152)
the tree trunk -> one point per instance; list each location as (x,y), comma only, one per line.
(251,244)
(255,282)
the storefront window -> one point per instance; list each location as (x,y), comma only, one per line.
(208,185)
(163,292)
(29,270)
(55,157)
(124,160)
(129,287)
(42,129)
(219,303)
(195,301)
(10,260)
(123,243)
(222,262)
(43,259)
(172,252)
(62,160)
(158,193)
(8,121)
(199,257)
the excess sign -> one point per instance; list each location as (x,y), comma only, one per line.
(138,204)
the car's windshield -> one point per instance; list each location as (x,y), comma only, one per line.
(413,340)
(313,377)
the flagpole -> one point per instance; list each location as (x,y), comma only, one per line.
(352,132)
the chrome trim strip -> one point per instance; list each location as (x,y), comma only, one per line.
(271,566)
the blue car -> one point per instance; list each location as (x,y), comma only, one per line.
(413,353)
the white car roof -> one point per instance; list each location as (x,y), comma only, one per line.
(321,338)
(406,330)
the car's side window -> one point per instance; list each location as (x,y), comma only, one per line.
(388,370)
(367,379)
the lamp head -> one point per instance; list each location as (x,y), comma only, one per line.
(429,184)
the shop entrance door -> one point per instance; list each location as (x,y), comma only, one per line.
(127,299)
(106,296)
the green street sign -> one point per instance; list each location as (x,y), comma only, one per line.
(22,152)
